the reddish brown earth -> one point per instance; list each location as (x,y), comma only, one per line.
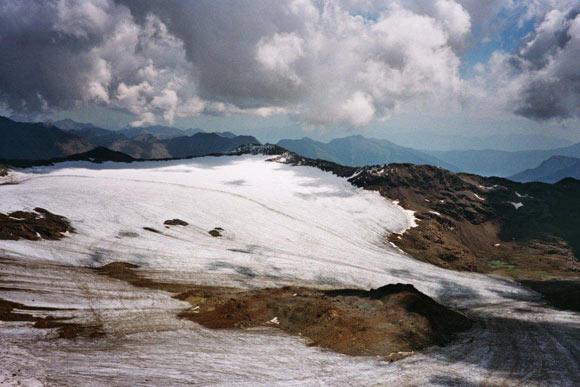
(40,224)
(388,321)
(12,311)
(466,222)
(380,322)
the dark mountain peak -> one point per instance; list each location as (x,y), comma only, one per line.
(37,141)
(5,119)
(161,131)
(71,125)
(99,155)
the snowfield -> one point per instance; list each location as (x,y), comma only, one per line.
(282,225)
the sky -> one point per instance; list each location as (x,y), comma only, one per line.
(294,68)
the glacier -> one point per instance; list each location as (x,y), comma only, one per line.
(282,225)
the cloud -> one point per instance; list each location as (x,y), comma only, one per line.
(326,62)
(318,60)
(66,53)
(541,80)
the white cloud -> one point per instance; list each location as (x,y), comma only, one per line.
(326,62)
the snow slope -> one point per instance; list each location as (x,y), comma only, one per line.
(282,225)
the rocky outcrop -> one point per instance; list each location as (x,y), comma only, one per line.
(384,322)
(391,322)
(40,224)
(175,222)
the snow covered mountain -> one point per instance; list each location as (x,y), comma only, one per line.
(248,223)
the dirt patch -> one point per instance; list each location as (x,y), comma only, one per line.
(151,229)
(12,311)
(40,224)
(563,294)
(175,222)
(389,321)
(126,272)
(392,321)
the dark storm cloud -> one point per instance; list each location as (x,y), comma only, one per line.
(324,62)
(549,68)
(39,64)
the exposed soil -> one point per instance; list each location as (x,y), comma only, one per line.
(392,321)
(40,224)
(12,311)
(175,222)
(126,272)
(386,322)
(467,222)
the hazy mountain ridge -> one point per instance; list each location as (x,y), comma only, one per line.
(359,151)
(501,163)
(429,141)
(42,141)
(552,170)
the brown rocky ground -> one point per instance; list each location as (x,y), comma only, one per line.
(384,322)
(391,321)
(467,222)
(40,224)
(12,311)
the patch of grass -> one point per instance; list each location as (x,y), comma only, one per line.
(498,264)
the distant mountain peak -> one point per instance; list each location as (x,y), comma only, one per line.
(357,150)
(551,170)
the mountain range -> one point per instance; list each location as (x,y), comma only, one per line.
(21,140)
(552,170)
(41,141)
(501,163)
(359,151)
(501,142)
